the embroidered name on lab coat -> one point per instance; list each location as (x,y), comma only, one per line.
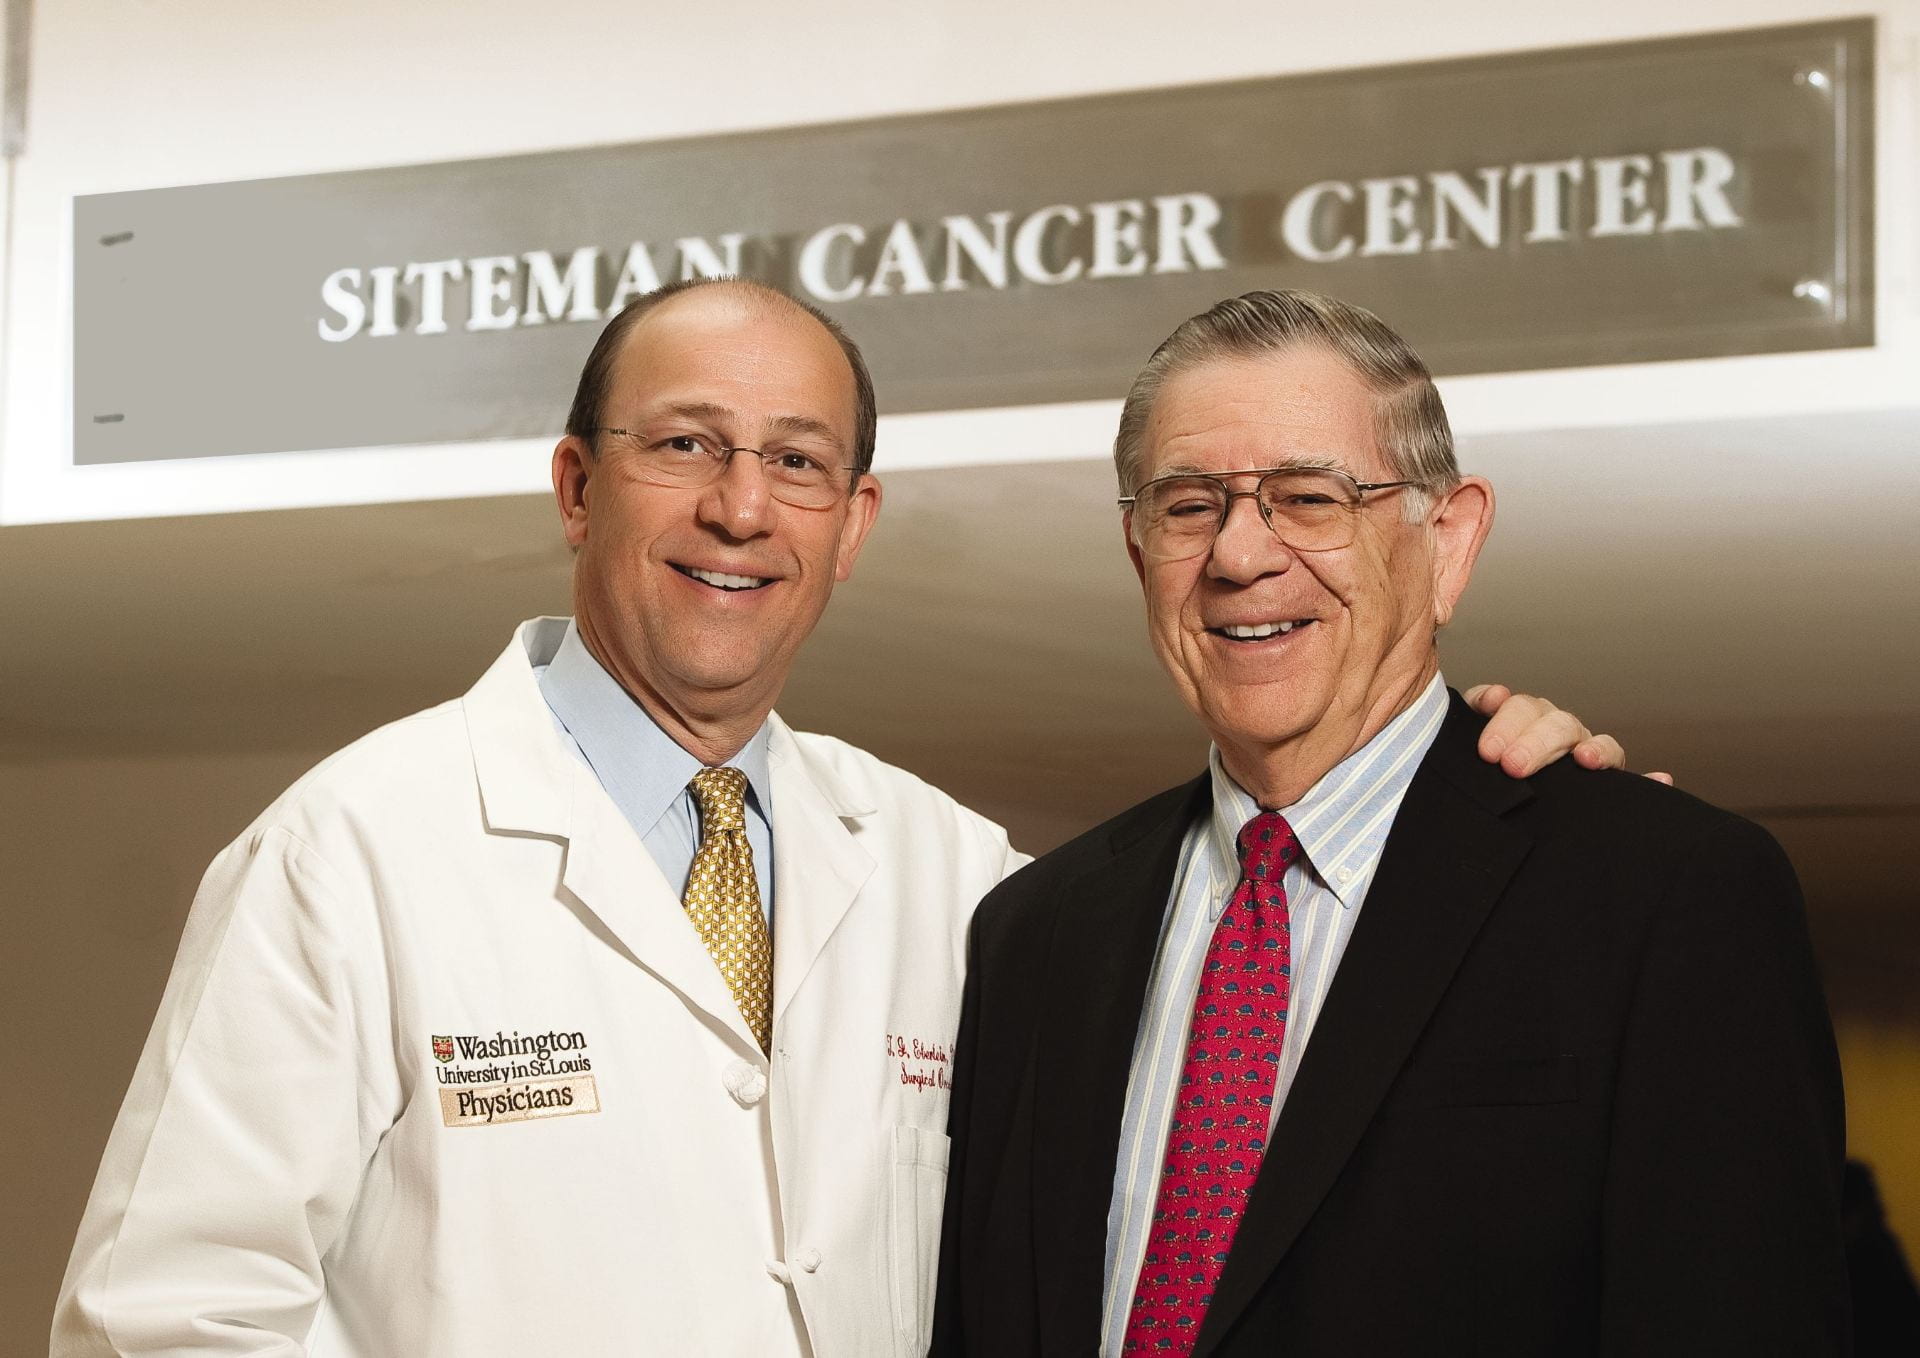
(923,1064)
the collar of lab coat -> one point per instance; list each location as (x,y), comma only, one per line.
(530,784)
(524,771)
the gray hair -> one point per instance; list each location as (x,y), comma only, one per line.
(1409,421)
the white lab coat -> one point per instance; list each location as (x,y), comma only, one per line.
(296,1169)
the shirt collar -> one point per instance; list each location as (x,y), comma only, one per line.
(642,768)
(1343,820)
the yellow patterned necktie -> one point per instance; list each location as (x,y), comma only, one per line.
(723,899)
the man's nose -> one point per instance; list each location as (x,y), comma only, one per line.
(739,502)
(1245,548)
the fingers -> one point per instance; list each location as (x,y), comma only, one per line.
(1509,714)
(1526,733)
(1600,752)
(1545,739)
(1486,698)
(1604,752)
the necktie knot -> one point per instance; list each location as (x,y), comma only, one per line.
(1267,847)
(722,795)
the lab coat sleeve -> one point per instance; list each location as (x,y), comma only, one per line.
(1015,861)
(243,1136)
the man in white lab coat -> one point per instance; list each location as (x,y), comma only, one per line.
(445,1067)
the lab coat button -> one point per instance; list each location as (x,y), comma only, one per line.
(778,1272)
(746,1082)
(809,1260)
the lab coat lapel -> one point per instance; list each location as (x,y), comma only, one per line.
(1105,936)
(818,864)
(610,872)
(531,784)
(1449,857)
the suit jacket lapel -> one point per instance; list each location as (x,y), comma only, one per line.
(1447,860)
(1105,935)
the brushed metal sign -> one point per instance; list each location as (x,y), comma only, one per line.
(1642,201)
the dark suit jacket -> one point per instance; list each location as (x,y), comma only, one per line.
(1573,1090)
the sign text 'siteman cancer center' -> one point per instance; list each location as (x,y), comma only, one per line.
(1643,201)
(1531,202)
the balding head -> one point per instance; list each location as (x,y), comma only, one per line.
(596,378)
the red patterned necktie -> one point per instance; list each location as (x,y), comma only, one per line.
(1220,1114)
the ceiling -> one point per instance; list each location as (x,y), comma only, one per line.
(1738,602)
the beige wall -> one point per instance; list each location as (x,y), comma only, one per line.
(98,862)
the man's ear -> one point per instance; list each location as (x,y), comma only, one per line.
(572,465)
(1459,523)
(1133,549)
(862,510)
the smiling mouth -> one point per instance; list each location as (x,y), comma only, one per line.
(721,580)
(1259,631)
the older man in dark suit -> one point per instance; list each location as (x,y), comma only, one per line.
(1352,1045)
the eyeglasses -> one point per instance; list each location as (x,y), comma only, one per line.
(794,477)
(1310,509)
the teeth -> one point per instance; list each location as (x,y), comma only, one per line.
(726,581)
(1256,631)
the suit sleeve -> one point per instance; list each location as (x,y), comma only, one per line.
(239,1147)
(949,1339)
(1721,1229)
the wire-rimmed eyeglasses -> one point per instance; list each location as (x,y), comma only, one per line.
(794,475)
(1310,509)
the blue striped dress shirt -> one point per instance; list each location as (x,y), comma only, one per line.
(1342,825)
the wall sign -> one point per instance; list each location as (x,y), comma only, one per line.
(1653,200)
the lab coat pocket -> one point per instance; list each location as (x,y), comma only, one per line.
(919,1191)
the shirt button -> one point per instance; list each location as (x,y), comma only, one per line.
(1345,874)
(778,1272)
(745,1081)
(809,1260)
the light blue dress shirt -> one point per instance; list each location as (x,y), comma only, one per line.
(1342,825)
(645,771)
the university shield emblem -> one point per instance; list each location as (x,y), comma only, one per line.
(442,1048)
